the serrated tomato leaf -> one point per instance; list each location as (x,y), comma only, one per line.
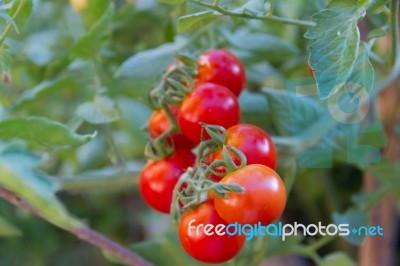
(88,45)
(335,41)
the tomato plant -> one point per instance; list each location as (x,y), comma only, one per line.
(103,105)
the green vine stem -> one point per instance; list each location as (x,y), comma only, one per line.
(120,161)
(216,7)
(84,233)
(394,20)
(9,26)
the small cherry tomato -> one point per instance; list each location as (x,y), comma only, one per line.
(208,103)
(254,142)
(159,177)
(263,199)
(159,123)
(223,68)
(208,248)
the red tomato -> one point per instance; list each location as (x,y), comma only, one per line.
(210,249)
(254,142)
(158,179)
(263,199)
(159,123)
(223,68)
(208,103)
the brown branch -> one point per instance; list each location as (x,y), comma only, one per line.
(86,233)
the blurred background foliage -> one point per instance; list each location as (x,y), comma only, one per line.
(91,69)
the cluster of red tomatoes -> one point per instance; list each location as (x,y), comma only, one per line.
(213,100)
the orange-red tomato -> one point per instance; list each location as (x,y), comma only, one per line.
(159,123)
(263,199)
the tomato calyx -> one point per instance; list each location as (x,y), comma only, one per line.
(176,83)
(194,185)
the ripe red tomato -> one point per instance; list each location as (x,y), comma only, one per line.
(208,103)
(263,199)
(223,68)
(159,177)
(254,142)
(159,123)
(210,249)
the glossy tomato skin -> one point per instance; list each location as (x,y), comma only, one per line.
(263,199)
(208,103)
(209,249)
(159,177)
(255,144)
(159,123)
(223,68)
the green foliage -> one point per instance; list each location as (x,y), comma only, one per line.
(100,111)
(335,44)
(41,131)
(73,73)
(88,46)
(7,229)
(195,21)
(19,176)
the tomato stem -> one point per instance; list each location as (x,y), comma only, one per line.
(9,25)
(267,17)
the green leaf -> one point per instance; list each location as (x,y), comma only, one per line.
(24,12)
(171,2)
(253,108)
(335,41)
(4,15)
(139,73)
(291,114)
(19,175)
(354,218)
(337,258)
(89,44)
(7,229)
(273,48)
(5,60)
(376,33)
(100,111)
(148,64)
(195,21)
(43,89)
(41,131)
